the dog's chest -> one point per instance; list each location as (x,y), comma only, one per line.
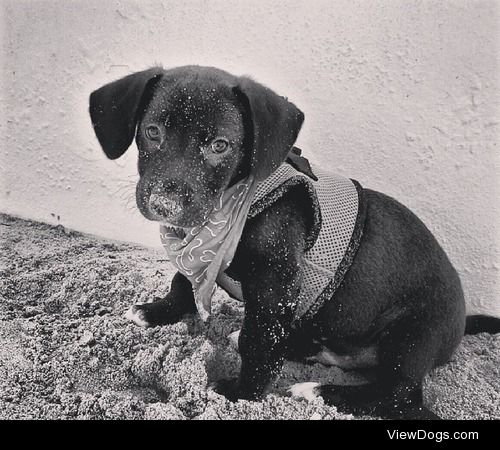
(332,242)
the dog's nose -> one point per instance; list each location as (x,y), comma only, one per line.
(163,205)
(168,197)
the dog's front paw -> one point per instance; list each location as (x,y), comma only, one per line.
(137,314)
(228,387)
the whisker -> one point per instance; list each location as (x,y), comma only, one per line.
(124,188)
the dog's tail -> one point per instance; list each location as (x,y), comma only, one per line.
(482,324)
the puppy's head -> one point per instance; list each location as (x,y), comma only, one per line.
(198,130)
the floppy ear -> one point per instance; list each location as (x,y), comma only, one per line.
(275,123)
(114,110)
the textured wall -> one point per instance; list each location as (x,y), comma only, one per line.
(402,95)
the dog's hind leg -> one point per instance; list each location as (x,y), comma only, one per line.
(170,309)
(403,401)
(407,352)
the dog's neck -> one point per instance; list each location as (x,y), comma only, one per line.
(202,252)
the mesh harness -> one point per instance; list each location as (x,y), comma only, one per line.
(338,218)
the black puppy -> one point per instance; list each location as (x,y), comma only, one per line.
(399,306)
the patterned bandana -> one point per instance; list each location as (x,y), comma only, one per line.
(200,253)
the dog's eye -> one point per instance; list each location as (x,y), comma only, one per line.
(152,132)
(219,145)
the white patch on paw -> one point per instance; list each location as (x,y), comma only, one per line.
(233,339)
(307,391)
(136,315)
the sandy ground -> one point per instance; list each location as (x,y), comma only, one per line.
(67,352)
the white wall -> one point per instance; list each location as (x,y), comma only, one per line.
(401,95)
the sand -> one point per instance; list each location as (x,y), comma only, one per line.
(66,352)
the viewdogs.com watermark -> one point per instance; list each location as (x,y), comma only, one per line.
(437,436)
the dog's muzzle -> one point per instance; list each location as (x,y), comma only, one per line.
(164,207)
(165,200)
